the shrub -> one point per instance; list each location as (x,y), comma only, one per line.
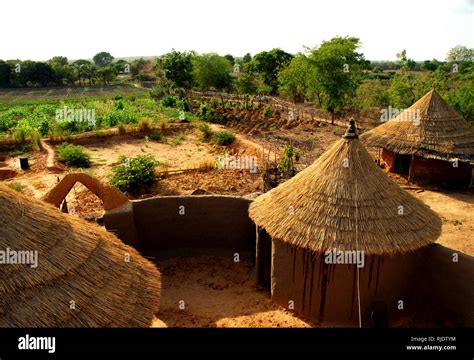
(156,136)
(136,174)
(73,155)
(205,130)
(224,138)
(168,101)
(286,163)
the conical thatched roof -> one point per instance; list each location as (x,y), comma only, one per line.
(429,128)
(330,206)
(79,264)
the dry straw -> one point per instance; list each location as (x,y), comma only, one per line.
(78,262)
(319,209)
(429,128)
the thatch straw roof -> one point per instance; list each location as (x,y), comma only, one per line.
(429,128)
(78,262)
(344,201)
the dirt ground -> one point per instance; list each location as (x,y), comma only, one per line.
(215,291)
(455,208)
(456,211)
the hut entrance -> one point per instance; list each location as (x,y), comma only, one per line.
(402,164)
(264,259)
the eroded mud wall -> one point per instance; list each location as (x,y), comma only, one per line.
(327,294)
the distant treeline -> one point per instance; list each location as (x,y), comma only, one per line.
(333,75)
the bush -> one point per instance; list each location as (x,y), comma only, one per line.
(136,174)
(168,101)
(73,155)
(205,130)
(156,136)
(224,138)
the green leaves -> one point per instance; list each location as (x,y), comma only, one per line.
(136,174)
(73,155)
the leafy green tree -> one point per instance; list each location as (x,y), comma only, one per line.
(212,71)
(62,71)
(293,79)
(103,59)
(339,71)
(405,62)
(247,58)
(178,67)
(107,74)
(4,74)
(460,53)
(430,65)
(246,84)
(230,58)
(268,64)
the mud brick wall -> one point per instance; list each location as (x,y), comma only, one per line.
(427,281)
(163,224)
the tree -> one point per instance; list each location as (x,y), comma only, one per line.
(339,71)
(103,59)
(405,62)
(62,71)
(107,74)
(42,74)
(268,64)
(212,70)
(178,67)
(430,65)
(4,74)
(247,58)
(230,58)
(85,70)
(460,53)
(402,86)
(246,84)
(293,79)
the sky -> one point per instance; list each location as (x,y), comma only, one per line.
(41,29)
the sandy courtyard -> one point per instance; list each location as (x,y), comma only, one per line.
(215,291)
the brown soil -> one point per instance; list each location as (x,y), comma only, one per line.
(217,292)
(455,208)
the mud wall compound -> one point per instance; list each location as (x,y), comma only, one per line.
(164,224)
(427,281)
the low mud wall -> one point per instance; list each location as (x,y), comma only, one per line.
(441,172)
(428,282)
(164,224)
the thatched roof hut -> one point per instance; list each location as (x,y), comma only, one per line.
(344,201)
(430,128)
(85,276)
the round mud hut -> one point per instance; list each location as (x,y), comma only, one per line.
(429,142)
(60,271)
(333,240)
